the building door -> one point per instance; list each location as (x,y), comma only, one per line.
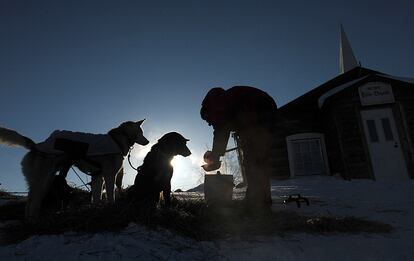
(384,144)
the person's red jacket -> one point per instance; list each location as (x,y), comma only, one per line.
(234,109)
(237,106)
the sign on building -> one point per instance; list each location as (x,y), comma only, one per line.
(376,93)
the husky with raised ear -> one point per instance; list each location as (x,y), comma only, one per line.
(98,155)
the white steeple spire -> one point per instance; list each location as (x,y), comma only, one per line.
(347,60)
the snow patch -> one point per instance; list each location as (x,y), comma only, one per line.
(389,202)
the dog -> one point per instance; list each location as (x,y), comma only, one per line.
(98,155)
(154,175)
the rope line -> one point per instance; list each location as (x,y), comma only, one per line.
(86,186)
(129,159)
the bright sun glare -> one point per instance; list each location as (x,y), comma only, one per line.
(176,163)
(187,170)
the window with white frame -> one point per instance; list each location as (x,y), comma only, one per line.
(307,154)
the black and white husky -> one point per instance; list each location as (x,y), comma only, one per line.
(98,155)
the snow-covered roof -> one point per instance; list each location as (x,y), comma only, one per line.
(341,87)
(333,91)
(402,79)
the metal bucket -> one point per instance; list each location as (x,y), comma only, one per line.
(218,188)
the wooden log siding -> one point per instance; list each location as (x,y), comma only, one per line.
(333,146)
(344,143)
(279,161)
(340,121)
(345,109)
(404,114)
(301,120)
(405,136)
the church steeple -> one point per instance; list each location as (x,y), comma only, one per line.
(347,60)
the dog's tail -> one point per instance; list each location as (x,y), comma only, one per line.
(12,138)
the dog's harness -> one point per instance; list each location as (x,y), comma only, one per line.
(77,147)
(78,142)
(129,159)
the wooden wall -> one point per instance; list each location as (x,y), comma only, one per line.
(340,121)
(301,120)
(345,137)
(404,116)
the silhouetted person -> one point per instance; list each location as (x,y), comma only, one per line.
(249,112)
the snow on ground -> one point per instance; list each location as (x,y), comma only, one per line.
(389,202)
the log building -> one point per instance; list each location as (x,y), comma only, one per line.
(359,124)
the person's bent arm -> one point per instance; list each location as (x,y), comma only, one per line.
(212,158)
(220,139)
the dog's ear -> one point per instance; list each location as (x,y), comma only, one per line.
(139,123)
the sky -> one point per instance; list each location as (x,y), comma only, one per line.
(90,65)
